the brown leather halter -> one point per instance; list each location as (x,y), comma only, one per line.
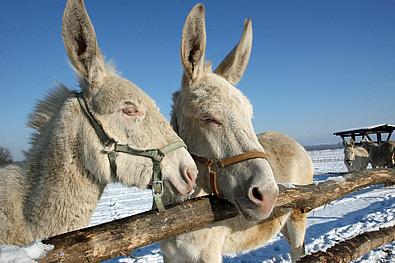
(213,165)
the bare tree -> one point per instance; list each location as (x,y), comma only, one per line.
(5,156)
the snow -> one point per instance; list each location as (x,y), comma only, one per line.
(287,185)
(358,212)
(24,254)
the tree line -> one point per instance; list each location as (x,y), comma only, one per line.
(5,156)
(318,147)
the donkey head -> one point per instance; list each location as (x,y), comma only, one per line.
(215,119)
(124,111)
(349,154)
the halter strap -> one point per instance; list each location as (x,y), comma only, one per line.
(213,165)
(111,148)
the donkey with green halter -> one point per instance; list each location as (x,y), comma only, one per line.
(110,132)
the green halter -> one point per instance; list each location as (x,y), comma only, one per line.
(111,147)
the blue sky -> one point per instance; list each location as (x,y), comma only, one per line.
(316,66)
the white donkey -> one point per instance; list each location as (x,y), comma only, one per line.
(355,157)
(83,142)
(214,119)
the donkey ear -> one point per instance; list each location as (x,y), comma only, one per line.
(80,41)
(193,43)
(235,63)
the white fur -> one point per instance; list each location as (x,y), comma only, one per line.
(214,119)
(58,187)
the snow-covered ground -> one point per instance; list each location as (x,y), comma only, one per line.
(342,219)
(357,212)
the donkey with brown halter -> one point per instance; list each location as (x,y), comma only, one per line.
(214,119)
(110,132)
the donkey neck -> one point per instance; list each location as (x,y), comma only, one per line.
(63,193)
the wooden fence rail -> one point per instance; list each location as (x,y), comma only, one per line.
(353,248)
(119,237)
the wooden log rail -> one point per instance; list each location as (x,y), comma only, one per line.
(121,236)
(352,248)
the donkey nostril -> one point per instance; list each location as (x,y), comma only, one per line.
(257,194)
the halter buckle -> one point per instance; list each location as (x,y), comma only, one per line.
(110,147)
(157,157)
(157,188)
(214,165)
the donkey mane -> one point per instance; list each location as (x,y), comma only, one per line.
(46,109)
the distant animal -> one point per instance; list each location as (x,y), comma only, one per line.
(382,155)
(214,119)
(355,157)
(82,143)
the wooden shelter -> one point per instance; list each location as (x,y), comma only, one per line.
(377,133)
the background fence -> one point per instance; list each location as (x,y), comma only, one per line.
(325,159)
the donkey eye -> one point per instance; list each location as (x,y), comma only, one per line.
(132,111)
(210,120)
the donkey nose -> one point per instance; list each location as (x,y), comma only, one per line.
(263,198)
(190,174)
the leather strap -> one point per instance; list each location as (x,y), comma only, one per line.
(103,136)
(214,165)
(242,157)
